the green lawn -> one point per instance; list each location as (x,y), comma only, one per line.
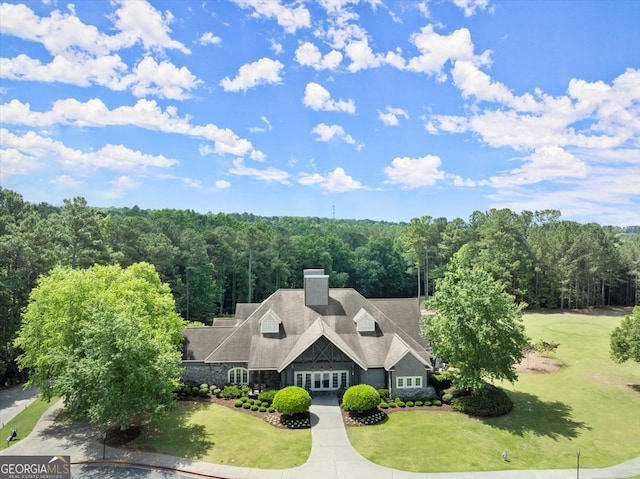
(214,433)
(25,420)
(591,405)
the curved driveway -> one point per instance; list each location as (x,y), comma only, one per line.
(332,456)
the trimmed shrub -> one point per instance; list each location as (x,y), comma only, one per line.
(383,405)
(488,401)
(245,389)
(251,401)
(271,410)
(384,394)
(212,389)
(246,405)
(231,392)
(441,380)
(204,386)
(437,402)
(195,390)
(217,392)
(428,403)
(262,409)
(267,395)
(238,403)
(400,403)
(360,398)
(409,403)
(265,404)
(418,403)
(255,407)
(392,404)
(204,392)
(447,398)
(292,400)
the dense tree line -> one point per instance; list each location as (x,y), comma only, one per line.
(212,261)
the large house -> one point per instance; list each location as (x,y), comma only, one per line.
(319,338)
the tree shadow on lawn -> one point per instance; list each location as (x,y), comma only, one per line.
(531,415)
(173,434)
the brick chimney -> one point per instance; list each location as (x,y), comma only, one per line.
(316,287)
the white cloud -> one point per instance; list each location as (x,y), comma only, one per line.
(192,183)
(275,46)
(436,50)
(112,157)
(336,181)
(469,7)
(262,72)
(14,162)
(223,184)
(209,38)
(82,55)
(546,163)
(317,98)
(65,182)
(361,56)
(267,174)
(144,114)
(120,186)
(307,54)
(414,172)
(291,19)
(328,132)
(138,21)
(390,118)
(261,129)
(161,79)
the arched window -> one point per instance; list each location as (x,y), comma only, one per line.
(238,376)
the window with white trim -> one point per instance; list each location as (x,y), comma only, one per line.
(403,382)
(365,323)
(238,376)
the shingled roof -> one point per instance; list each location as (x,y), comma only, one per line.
(397,331)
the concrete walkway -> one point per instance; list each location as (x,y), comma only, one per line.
(13,400)
(332,456)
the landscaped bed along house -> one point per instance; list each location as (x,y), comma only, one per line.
(318,338)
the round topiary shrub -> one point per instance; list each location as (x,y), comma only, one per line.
(204,386)
(360,398)
(428,403)
(271,410)
(267,395)
(238,403)
(488,401)
(255,407)
(251,401)
(265,404)
(262,409)
(400,403)
(217,392)
(383,405)
(392,404)
(437,402)
(418,403)
(244,399)
(195,390)
(292,400)
(409,403)
(246,405)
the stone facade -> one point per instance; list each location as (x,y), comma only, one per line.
(198,372)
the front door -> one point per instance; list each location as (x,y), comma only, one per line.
(322,380)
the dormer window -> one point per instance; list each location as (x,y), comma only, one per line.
(270,323)
(365,323)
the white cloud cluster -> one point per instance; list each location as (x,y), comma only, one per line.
(469,7)
(328,132)
(414,172)
(82,55)
(307,54)
(208,38)
(21,153)
(336,181)
(266,174)
(317,97)
(262,72)
(289,18)
(145,114)
(390,118)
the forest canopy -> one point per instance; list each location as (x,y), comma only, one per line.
(211,261)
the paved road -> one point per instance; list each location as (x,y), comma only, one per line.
(13,400)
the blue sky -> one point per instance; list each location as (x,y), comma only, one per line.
(383,110)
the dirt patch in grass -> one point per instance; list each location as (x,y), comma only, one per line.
(536,363)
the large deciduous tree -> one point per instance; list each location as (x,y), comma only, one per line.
(625,339)
(106,339)
(478,327)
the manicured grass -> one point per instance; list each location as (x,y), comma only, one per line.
(214,433)
(25,420)
(592,404)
